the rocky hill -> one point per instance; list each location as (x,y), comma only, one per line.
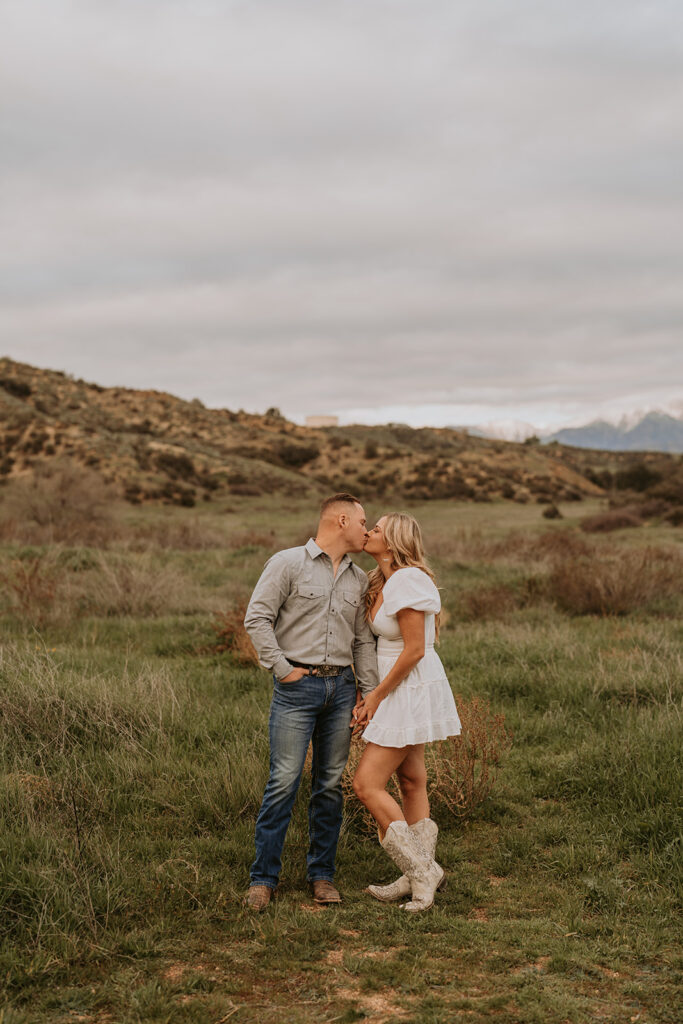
(153,446)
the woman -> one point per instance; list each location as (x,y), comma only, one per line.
(412,705)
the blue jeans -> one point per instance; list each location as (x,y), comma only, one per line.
(319,709)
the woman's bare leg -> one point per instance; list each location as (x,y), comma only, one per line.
(412,779)
(375,768)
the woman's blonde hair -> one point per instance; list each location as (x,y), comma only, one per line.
(403,538)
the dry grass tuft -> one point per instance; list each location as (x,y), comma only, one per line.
(169,535)
(617,583)
(139,588)
(461,771)
(61,501)
(489,602)
(232,637)
(31,587)
(619,519)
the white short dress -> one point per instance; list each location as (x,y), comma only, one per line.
(421,708)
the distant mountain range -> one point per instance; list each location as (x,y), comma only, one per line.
(655,432)
(652,432)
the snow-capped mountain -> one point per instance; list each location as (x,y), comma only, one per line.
(654,432)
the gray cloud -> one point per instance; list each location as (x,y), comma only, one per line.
(329,205)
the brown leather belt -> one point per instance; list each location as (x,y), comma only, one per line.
(319,670)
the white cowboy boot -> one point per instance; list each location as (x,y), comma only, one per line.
(424,874)
(426,832)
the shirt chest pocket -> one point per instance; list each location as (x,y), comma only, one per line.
(349,603)
(310,592)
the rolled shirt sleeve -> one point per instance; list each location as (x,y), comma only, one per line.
(269,595)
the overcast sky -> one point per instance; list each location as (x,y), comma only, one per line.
(436,211)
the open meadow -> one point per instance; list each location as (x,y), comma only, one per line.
(134,756)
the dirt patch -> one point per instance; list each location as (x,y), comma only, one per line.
(609,973)
(538,966)
(495,881)
(175,972)
(379,1004)
(478,914)
(380,954)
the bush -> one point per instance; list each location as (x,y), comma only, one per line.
(176,465)
(61,501)
(675,516)
(336,441)
(232,637)
(636,478)
(139,588)
(18,388)
(608,521)
(296,455)
(616,584)
(552,512)
(30,586)
(489,602)
(461,771)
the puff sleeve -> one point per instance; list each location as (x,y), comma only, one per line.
(411,588)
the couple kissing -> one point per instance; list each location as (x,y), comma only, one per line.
(351,652)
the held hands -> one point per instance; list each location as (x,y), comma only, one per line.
(353,724)
(294,676)
(363,712)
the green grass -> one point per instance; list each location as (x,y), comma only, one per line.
(133,768)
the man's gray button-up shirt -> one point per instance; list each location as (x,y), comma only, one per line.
(300,610)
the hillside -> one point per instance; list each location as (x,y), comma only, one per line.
(153,446)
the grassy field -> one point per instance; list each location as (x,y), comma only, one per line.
(134,761)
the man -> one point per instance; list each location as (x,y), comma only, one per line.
(306,619)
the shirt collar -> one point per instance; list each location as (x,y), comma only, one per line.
(315,550)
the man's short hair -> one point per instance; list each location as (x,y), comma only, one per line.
(343,498)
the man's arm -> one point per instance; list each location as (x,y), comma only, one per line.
(269,595)
(365,652)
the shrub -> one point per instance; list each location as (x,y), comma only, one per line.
(140,588)
(336,441)
(601,477)
(605,522)
(675,516)
(31,587)
(232,637)
(461,771)
(176,465)
(616,584)
(636,478)
(489,602)
(18,388)
(61,501)
(296,455)
(552,512)
(370,451)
